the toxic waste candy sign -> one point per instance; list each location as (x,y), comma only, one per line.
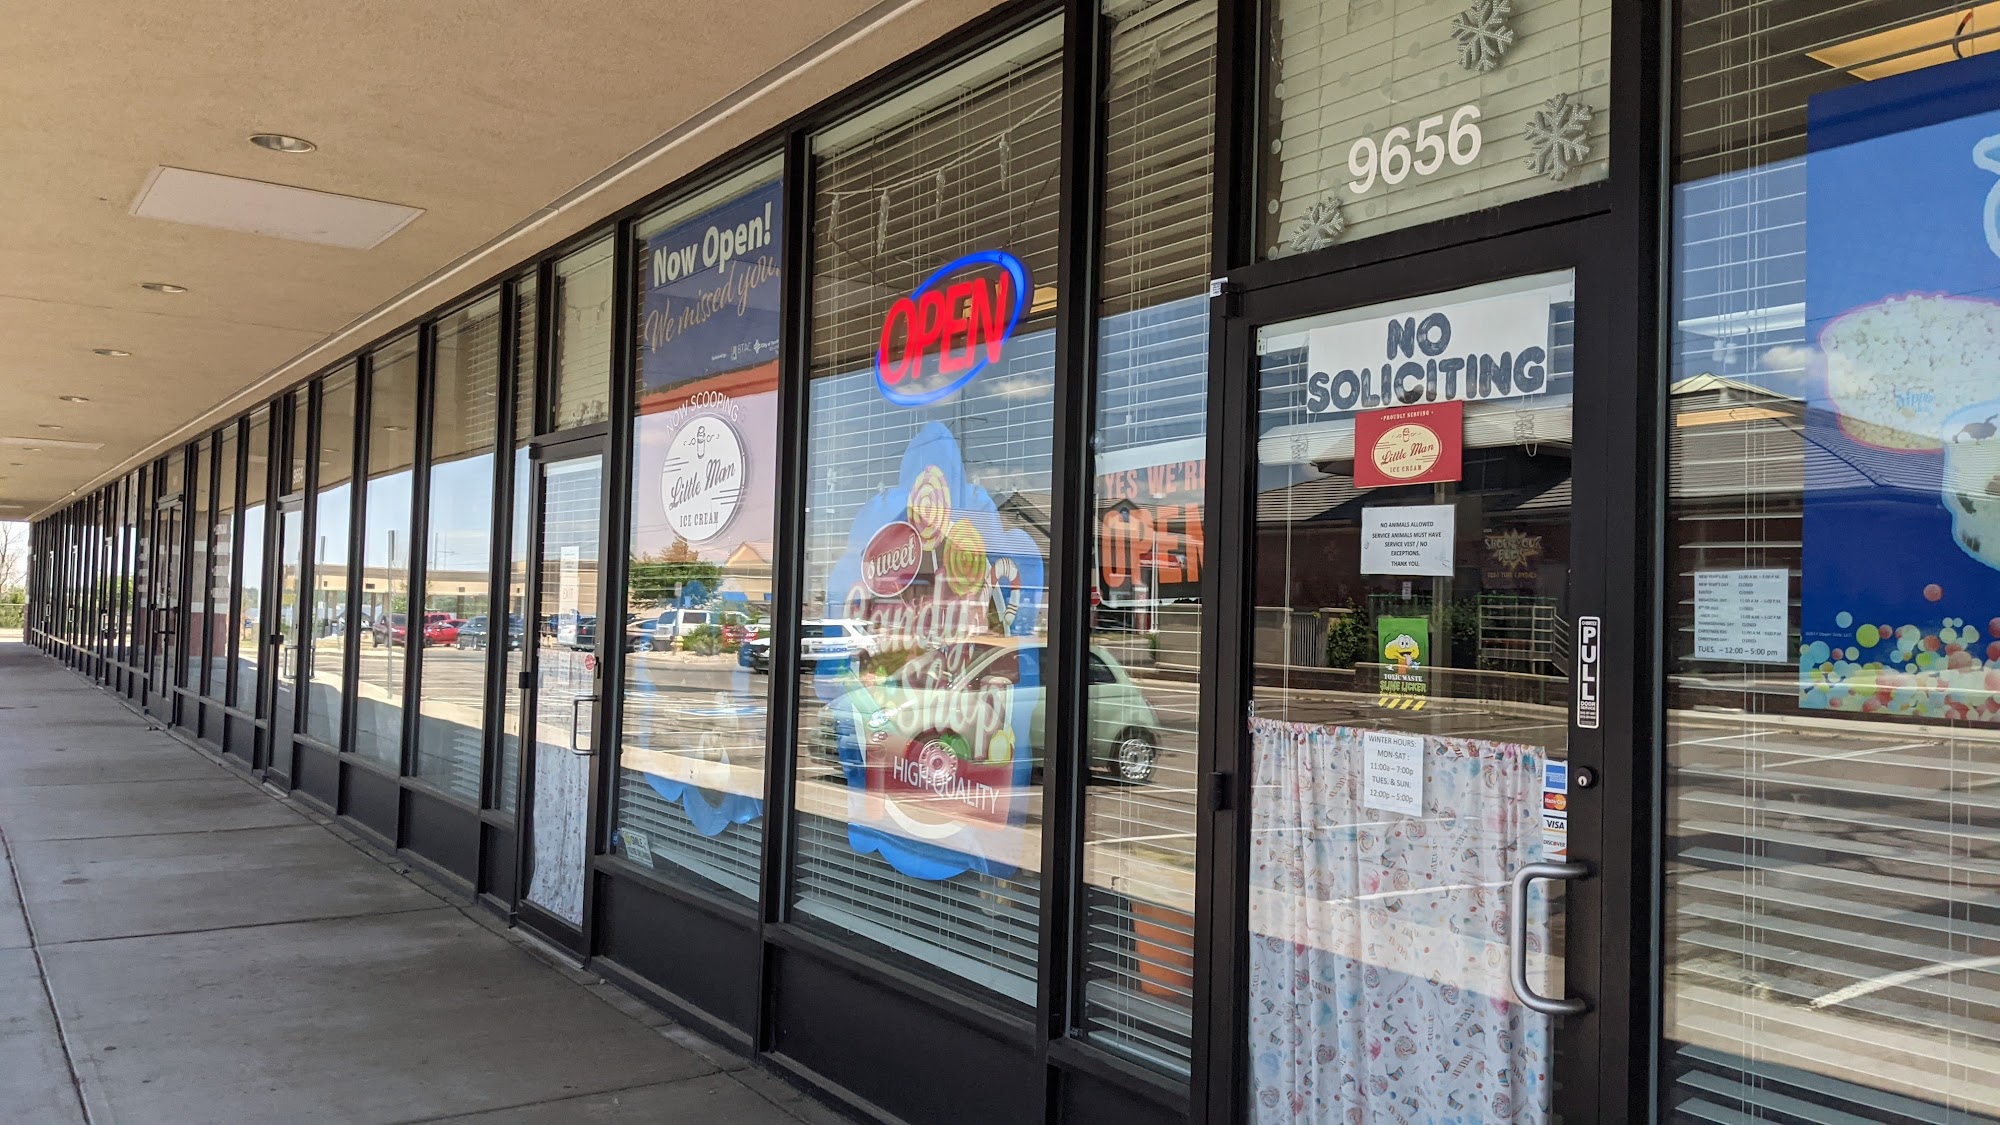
(951,328)
(1413,445)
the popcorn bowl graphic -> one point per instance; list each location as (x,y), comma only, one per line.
(1896,368)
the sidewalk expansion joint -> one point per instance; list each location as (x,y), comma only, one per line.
(42,976)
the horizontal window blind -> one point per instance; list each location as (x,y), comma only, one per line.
(1152,401)
(967,161)
(1339,71)
(1832,918)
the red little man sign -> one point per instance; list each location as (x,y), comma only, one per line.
(1409,445)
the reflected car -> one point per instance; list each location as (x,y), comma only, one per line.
(823,646)
(473,633)
(1124,738)
(658,632)
(440,629)
(389,629)
(586,629)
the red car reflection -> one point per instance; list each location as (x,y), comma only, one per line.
(440,629)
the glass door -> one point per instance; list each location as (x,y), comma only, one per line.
(284,637)
(1422,634)
(164,623)
(564,670)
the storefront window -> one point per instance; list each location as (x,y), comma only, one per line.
(221,566)
(1379,116)
(452,688)
(199,610)
(1412,633)
(928,476)
(129,569)
(385,555)
(698,598)
(326,656)
(250,561)
(582,382)
(1833,642)
(1150,472)
(510,633)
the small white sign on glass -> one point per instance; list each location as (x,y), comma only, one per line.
(1416,539)
(569,595)
(1743,615)
(1392,775)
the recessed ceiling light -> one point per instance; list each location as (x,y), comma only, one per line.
(114,352)
(48,426)
(163,287)
(279,142)
(74,398)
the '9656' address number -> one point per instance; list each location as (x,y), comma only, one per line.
(1400,154)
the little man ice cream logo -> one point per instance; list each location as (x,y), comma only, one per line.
(701,483)
(1411,445)
(1406,451)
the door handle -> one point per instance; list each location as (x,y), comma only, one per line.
(576,723)
(1517,937)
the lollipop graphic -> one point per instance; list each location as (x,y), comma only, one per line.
(1006,592)
(930,506)
(964,558)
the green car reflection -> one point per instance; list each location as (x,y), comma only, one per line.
(1124,741)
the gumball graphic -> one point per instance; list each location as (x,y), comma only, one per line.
(930,507)
(964,558)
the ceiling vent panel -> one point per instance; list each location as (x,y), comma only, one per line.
(204,199)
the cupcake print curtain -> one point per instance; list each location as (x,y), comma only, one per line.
(1378,944)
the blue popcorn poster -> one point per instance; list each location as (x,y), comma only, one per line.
(1900,594)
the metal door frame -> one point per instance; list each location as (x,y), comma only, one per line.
(554,449)
(1606,954)
(163,662)
(277,744)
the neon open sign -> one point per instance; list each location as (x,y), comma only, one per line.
(951,328)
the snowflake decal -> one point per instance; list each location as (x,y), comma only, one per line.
(1320,226)
(1482,34)
(1557,137)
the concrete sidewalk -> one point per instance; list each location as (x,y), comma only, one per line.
(179,945)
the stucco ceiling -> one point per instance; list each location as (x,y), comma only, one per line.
(512,125)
